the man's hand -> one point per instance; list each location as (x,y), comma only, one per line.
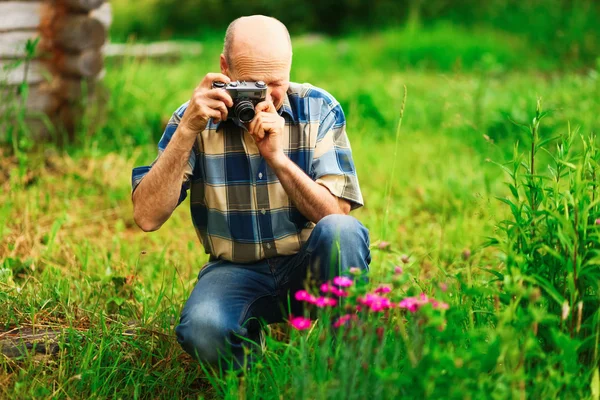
(267,129)
(206,103)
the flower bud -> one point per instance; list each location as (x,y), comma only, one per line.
(466,254)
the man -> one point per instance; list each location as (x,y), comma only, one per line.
(269,198)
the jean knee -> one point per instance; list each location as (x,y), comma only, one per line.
(343,228)
(202,332)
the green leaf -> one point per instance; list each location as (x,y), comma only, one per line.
(568,164)
(544,142)
(497,274)
(595,386)
(547,286)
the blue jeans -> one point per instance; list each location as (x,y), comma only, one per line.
(231,302)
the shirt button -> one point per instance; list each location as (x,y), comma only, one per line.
(268,245)
(263,211)
(260,175)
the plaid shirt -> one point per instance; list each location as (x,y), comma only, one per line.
(239,208)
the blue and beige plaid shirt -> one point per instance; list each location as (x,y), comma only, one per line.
(239,208)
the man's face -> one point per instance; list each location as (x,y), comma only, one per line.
(251,64)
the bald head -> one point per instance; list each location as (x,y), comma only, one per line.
(257,37)
(258,48)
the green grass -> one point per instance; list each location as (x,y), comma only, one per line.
(72,258)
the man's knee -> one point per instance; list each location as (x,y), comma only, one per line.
(342,228)
(203,332)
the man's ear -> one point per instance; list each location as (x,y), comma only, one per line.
(223,64)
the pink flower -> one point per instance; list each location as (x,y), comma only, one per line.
(412,304)
(328,288)
(383,245)
(439,304)
(300,323)
(598,221)
(326,302)
(443,286)
(343,320)
(342,281)
(405,259)
(381,304)
(398,270)
(355,271)
(303,295)
(383,289)
(375,302)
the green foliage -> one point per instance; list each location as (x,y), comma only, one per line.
(561,30)
(552,237)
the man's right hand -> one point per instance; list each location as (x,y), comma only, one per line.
(206,103)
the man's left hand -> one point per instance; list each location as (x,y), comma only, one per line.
(267,130)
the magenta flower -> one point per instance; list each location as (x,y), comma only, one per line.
(300,323)
(375,302)
(303,295)
(326,302)
(342,281)
(439,304)
(328,288)
(381,304)
(383,289)
(343,320)
(413,304)
(398,270)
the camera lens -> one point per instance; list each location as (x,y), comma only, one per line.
(244,111)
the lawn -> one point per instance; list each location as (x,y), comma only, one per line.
(73,260)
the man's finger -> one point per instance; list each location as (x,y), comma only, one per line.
(219,106)
(212,113)
(253,123)
(265,106)
(221,95)
(214,77)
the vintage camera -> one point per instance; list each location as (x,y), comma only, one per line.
(245,95)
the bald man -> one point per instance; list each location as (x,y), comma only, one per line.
(269,199)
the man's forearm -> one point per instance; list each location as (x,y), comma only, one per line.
(156,196)
(314,201)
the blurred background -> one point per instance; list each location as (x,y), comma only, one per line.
(547,33)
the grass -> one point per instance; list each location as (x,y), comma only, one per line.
(71,257)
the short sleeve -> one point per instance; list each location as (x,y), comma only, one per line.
(138,173)
(333,166)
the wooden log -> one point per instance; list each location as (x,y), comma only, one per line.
(83,5)
(85,64)
(103,14)
(12,44)
(16,15)
(40,99)
(73,89)
(36,72)
(79,32)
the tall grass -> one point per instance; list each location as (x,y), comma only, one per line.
(522,318)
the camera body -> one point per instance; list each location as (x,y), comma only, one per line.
(245,95)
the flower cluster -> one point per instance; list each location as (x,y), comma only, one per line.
(379,300)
